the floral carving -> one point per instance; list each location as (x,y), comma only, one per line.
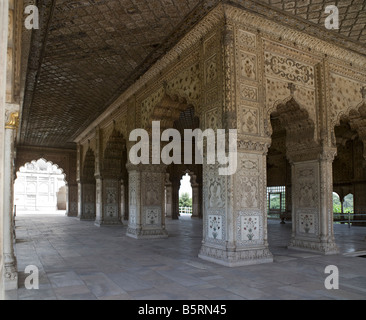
(248,93)
(289,69)
(306,223)
(248,67)
(248,120)
(211,70)
(152,216)
(250,228)
(215,227)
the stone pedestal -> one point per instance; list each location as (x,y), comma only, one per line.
(146,201)
(312,204)
(235,220)
(107,201)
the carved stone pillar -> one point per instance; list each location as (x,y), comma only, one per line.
(72,209)
(86,193)
(175,198)
(123,201)
(195,199)
(168,199)
(312,201)
(10,263)
(235,219)
(146,201)
(107,201)
(4,17)
(360,203)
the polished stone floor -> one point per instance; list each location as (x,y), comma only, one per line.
(77,260)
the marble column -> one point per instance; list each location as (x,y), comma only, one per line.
(107,200)
(359,199)
(10,263)
(195,201)
(72,195)
(168,199)
(4,20)
(312,201)
(146,201)
(175,198)
(234,217)
(86,205)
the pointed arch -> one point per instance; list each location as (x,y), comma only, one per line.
(42,164)
(356,118)
(300,128)
(38,186)
(168,110)
(114,154)
(88,168)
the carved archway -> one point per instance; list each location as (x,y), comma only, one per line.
(41,185)
(349,166)
(300,128)
(88,169)
(357,122)
(114,155)
(169,110)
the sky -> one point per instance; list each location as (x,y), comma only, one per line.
(185,185)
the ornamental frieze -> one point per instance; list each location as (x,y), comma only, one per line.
(289,69)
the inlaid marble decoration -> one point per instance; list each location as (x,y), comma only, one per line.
(215,227)
(250,229)
(306,223)
(132,216)
(152,216)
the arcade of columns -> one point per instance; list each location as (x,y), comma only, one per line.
(236,69)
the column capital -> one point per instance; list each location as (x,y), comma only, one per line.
(11,119)
(315,153)
(260,145)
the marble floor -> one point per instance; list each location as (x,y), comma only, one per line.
(77,260)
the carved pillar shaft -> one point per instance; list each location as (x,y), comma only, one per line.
(312,204)
(195,201)
(235,220)
(10,264)
(168,200)
(86,201)
(360,203)
(107,201)
(146,201)
(72,209)
(175,199)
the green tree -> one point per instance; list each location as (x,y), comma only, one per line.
(185,200)
(336,203)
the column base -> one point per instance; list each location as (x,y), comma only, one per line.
(71,215)
(323,247)
(10,278)
(112,223)
(240,257)
(86,218)
(138,233)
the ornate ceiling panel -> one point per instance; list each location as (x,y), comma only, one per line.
(88,52)
(352,14)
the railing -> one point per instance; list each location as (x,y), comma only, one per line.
(350,218)
(185,210)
